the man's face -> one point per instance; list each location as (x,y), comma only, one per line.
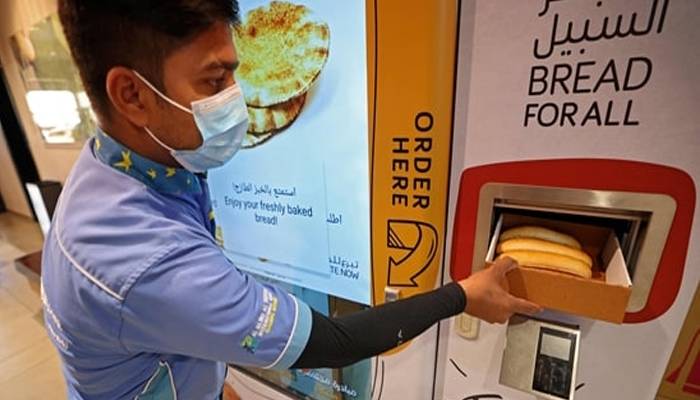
(201,69)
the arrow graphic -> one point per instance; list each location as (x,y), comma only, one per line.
(413,247)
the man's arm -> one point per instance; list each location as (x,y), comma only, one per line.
(193,302)
(342,341)
(338,342)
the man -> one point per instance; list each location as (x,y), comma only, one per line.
(139,300)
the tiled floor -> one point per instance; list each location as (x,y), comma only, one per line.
(29,365)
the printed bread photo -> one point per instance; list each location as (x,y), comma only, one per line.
(282,47)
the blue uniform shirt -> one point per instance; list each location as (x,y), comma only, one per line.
(139,299)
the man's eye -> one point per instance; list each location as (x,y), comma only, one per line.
(217,83)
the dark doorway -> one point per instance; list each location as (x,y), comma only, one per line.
(16,138)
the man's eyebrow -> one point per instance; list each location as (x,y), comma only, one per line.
(229,66)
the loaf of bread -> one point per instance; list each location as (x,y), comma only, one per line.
(538,232)
(539,247)
(527,244)
(550,261)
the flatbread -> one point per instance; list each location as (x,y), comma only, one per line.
(282,48)
(266,122)
(267,119)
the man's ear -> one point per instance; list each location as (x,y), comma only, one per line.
(130,97)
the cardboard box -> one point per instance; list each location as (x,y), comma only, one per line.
(603,297)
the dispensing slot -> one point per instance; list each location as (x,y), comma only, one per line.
(640,222)
(628,227)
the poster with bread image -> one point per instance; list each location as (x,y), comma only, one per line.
(302,179)
(282,47)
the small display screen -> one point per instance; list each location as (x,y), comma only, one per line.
(554,364)
(556,346)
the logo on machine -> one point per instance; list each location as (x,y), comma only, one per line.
(412,248)
(687,374)
(569,86)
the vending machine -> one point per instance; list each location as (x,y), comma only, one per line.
(579,117)
(394,144)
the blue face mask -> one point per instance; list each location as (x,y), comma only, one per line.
(222,121)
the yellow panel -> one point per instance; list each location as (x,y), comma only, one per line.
(411,135)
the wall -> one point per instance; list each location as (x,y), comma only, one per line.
(53,161)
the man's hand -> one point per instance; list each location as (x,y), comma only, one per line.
(487,294)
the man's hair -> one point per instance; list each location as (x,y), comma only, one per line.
(137,34)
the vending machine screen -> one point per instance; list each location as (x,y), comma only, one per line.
(554,363)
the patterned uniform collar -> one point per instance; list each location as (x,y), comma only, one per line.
(154,175)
